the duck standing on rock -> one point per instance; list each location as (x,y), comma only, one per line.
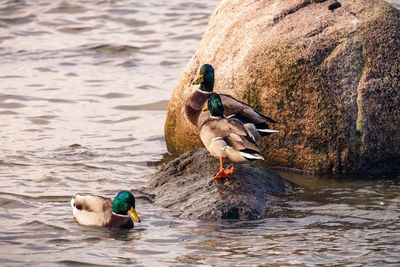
(226,137)
(254,121)
(100,211)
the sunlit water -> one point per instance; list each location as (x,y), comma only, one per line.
(84,89)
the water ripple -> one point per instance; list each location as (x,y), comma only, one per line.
(111,49)
(160,105)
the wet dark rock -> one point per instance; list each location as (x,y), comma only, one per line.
(185,185)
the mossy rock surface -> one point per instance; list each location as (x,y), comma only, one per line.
(330,78)
(185,185)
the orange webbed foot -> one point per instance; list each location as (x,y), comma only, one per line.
(223,174)
(220,175)
(229,172)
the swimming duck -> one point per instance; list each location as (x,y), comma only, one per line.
(100,211)
(256,122)
(226,137)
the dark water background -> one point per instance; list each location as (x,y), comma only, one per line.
(84,89)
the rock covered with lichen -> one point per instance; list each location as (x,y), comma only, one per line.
(185,186)
(331,79)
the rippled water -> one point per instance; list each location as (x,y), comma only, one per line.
(84,89)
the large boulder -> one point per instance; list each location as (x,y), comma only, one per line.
(331,79)
(185,186)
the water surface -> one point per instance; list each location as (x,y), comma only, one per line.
(84,89)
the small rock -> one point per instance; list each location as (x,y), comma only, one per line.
(186,185)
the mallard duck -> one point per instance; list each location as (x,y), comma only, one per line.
(256,122)
(100,211)
(226,137)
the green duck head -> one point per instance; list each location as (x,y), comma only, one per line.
(205,78)
(214,105)
(124,204)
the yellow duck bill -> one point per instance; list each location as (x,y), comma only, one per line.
(199,79)
(133,214)
(205,107)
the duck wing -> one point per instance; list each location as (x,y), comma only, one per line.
(93,203)
(240,137)
(91,210)
(233,132)
(243,112)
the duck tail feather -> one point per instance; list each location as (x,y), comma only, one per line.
(250,154)
(266,132)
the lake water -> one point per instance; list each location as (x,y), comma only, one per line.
(84,89)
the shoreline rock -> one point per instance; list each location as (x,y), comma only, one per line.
(185,185)
(331,78)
